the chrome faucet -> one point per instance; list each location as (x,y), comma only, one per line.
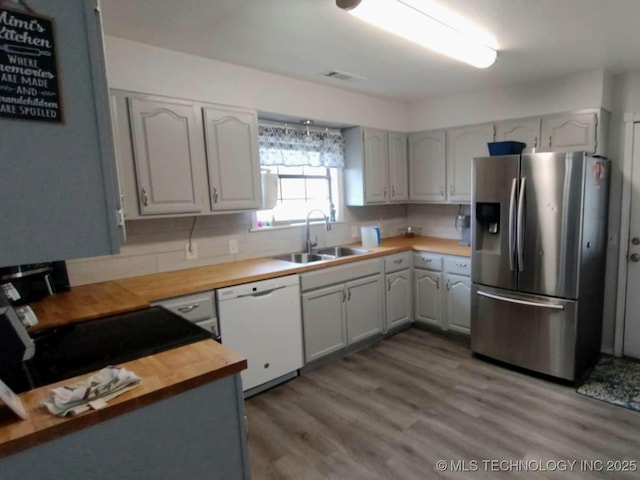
(309,244)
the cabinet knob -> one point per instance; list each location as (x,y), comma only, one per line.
(145,197)
(634,257)
(635,241)
(550,140)
(438,283)
(388,285)
(215,195)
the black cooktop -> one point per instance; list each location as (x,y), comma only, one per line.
(78,348)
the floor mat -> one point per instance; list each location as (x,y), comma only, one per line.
(614,380)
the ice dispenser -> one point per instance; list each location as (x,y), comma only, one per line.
(488,217)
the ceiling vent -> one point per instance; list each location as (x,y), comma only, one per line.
(338,75)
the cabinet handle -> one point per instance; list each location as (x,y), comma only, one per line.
(535,142)
(145,197)
(438,283)
(427,260)
(349,293)
(393,191)
(215,195)
(550,140)
(188,308)
(448,286)
(344,296)
(389,285)
(398,261)
(384,193)
(450,189)
(442,191)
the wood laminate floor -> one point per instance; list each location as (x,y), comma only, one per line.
(393,410)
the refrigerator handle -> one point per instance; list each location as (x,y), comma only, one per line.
(520,228)
(520,302)
(512,224)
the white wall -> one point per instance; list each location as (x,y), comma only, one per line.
(144,68)
(574,92)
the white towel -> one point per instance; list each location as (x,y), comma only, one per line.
(92,393)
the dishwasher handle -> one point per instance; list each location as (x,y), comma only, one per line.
(261,294)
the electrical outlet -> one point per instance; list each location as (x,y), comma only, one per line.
(191,251)
(233,246)
(354,232)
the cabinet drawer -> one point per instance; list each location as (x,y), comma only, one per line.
(194,308)
(340,274)
(427,261)
(458,265)
(400,261)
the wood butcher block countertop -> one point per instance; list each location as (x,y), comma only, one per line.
(172,372)
(159,286)
(163,375)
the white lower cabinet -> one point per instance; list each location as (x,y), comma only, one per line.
(442,286)
(398,298)
(458,294)
(324,320)
(340,306)
(428,297)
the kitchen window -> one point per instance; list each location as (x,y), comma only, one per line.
(307,161)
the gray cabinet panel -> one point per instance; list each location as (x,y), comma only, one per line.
(398,298)
(169,157)
(428,297)
(398,168)
(458,303)
(463,144)
(232,153)
(58,183)
(526,130)
(364,308)
(324,321)
(375,166)
(427,166)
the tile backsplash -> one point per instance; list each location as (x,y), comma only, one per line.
(158,245)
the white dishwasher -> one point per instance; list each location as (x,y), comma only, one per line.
(262,321)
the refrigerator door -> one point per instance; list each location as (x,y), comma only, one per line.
(549,223)
(494,190)
(530,331)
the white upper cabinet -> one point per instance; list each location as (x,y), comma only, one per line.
(580,131)
(178,157)
(232,155)
(398,174)
(526,130)
(376,166)
(427,166)
(169,156)
(462,145)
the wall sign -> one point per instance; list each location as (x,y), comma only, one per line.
(29,82)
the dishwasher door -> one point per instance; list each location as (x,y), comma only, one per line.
(262,321)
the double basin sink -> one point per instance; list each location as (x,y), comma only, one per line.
(317,255)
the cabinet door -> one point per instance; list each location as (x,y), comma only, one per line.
(462,145)
(427,297)
(526,131)
(398,168)
(376,166)
(323,318)
(458,295)
(427,167)
(168,155)
(398,298)
(570,132)
(364,308)
(232,155)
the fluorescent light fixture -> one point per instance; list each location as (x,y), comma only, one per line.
(428,24)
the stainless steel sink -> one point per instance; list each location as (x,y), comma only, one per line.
(338,252)
(320,254)
(304,257)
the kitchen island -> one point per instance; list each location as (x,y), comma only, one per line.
(186,419)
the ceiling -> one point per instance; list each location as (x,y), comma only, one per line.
(537,39)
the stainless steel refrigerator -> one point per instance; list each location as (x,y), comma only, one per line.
(538,245)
